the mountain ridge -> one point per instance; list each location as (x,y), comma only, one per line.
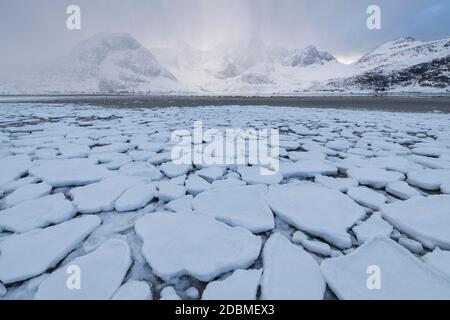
(118,63)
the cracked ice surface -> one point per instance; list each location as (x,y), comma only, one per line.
(96,187)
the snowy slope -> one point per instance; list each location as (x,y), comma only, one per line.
(405,64)
(403,53)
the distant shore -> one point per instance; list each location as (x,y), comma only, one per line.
(400,103)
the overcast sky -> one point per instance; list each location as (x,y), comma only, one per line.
(34,30)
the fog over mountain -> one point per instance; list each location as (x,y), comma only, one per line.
(118,63)
(35,31)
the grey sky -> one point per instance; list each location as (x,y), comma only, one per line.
(34,30)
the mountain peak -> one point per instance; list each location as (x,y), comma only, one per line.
(99,46)
(407,39)
(308,56)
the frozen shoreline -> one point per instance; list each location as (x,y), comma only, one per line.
(400,103)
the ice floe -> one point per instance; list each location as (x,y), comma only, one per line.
(101,196)
(429,179)
(101,274)
(30,254)
(317,210)
(223,248)
(290,273)
(26,192)
(173,170)
(68,173)
(136,197)
(425,219)
(36,213)
(240,285)
(182,204)
(254,175)
(367,197)
(16,166)
(169,191)
(241,206)
(306,169)
(133,290)
(401,275)
(377,178)
(402,190)
(341,184)
(373,227)
(439,259)
(195,185)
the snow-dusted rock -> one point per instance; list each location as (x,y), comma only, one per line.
(429,179)
(290,272)
(36,213)
(254,175)
(101,196)
(367,197)
(172,242)
(240,285)
(26,192)
(373,227)
(317,210)
(133,290)
(30,254)
(377,178)
(349,276)
(402,190)
(340,184)
(136,197)
(102,272)
(241,206)
(424,219)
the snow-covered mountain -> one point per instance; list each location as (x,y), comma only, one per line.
(117,63)
(405,64)
(247,67)
(103,63)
